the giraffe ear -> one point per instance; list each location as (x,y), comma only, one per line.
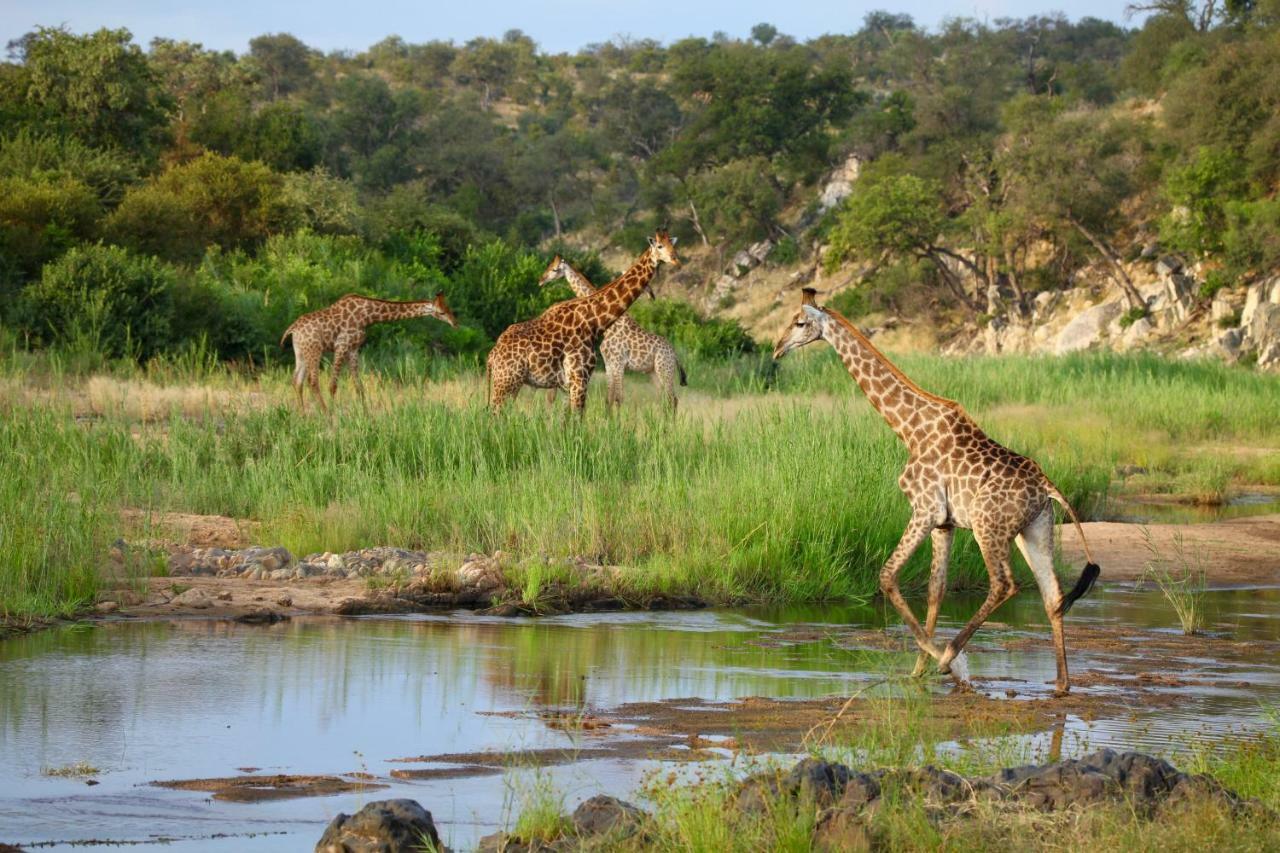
(675,240)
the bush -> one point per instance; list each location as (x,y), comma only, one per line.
(50,158)
(213,200)
(104,297)
(690,331)
(41,218)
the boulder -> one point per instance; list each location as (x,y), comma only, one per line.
(1168,265)
(1264,326)
(1221,309)
(1229,344)
(384,826)
(824,781)
(1086,329)
(1139,330)
(760,251)
(1180,290)
(604,815)
(1253,297)
(840,184)
(742,264)
(481,573)
(193,598)
(1043,304)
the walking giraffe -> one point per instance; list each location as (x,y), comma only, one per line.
(557,348)
(626,345)
(955,477)
(341,328)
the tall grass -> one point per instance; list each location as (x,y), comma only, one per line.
(788,494)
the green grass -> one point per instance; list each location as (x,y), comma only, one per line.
(788,494)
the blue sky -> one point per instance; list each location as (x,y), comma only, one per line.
(560,25)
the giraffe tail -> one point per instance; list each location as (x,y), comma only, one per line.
(1091,570)
(684,380)
(287,333)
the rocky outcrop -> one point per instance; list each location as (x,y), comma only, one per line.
(1087,329)
(385,826)
(839,186)
(596,825)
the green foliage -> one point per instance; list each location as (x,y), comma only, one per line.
(887,213)
(741,198)
(1132,316)
(691,332)
(1200,192)
(98,86)
(213,200)
(496,285)
(104,297)
(37,156)
(40,219)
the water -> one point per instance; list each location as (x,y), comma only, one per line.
(1135,510)
(194,698)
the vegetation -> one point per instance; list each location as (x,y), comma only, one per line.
(1006,154)
(777,486)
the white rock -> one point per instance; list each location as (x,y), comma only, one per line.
(1139,330)
(1086,328)
(1221,309)
(1252,299)
(193,598)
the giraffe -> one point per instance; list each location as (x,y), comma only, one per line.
(955,477)
(341,328)
(626,344)
(557,348)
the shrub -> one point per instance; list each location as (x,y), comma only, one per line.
(117,302)
(48,157)
(41,218)
(690,331)
(213,200)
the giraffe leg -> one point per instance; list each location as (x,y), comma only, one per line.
(917,530)
(614,371)
(995,553)
(299,377)
(340,357)
(353,366)
(504,387)
(578,391)
(942,538)
(664,377)
(313,380)
(551,395)
(1036,544)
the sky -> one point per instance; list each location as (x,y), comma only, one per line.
(557,26)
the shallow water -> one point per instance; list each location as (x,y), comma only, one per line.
(1133,510)
(193,698)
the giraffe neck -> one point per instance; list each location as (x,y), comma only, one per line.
(905,406)
(612,300)
(379,311)
(578,282)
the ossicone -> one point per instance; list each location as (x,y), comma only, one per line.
(807,296)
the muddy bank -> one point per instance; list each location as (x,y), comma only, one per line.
(212,575)
(1237,551)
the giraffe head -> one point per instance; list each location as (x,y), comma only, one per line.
(438,309)
(557,269)
(805,327)
(663,246)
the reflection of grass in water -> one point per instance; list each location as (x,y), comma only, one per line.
(1181,579)
(80,768)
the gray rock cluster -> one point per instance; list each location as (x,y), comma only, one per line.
(385,826)
(278,564)
(847,797)
(597,822)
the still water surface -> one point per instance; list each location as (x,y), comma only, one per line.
(194,698)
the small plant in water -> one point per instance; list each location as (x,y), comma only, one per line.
(1181,578)
(542,815)
(80,768)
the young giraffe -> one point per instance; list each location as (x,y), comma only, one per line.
(955,477)
(341,328)
(557,349)
(626,345)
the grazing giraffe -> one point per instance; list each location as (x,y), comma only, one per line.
(557,348)
(955,477)
(341,328)
(626,345)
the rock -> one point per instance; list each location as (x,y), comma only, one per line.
(1221,309)
(1229,344)
(1086,329)
(1180,290)
(1253,297)
(742,264)
(840,184)
(278,574)
(261,616)
(284,601)
(824,781)
(106,607)
(193,598)
(760,251)
(1139,330)
(604,815)
(1168,265)
(384,826)
(1043,304)
(481,573)
(1149,250)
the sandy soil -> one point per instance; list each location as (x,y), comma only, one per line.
(1238,551)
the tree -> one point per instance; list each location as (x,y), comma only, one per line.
(99,86)
(764,33)
(282,61)
(892,216)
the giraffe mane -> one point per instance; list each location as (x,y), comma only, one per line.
(883,359)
